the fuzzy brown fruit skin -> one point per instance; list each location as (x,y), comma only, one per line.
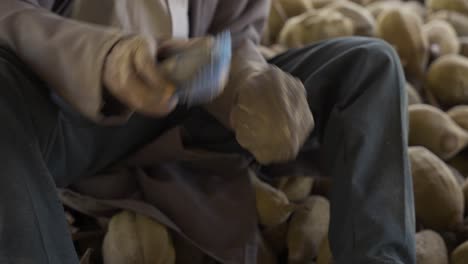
(417,8)
(280,11)
(325,255)
(458,176)
(133,238)
(459,114)
(448,81)
(269,99)
(465,192)
(314,26)
(370,2)
(318,4)
(459,21)
(443,35)
(460,254)
(377,8)
(430,248)
(296,188)
(460,6)
(435,130)
(363,21)
(460,163)
(307,228)
(463,46)
(403,30)
(413,95)
(439,200)
(273,207)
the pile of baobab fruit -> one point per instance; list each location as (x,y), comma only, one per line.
(431,39)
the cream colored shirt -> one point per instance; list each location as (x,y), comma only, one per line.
(162,19)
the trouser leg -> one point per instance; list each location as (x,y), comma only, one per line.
(356,92)
(42,147)
(32,225)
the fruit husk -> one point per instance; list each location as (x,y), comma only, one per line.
(403,30)
(322,186)
(314,26)
(363,21)
(460,163)
(318,4)
(273,207)
(438,197)
(463,46)
(460,254)
(465,192)
(277,103)
(448,81)
(281,11)
(325,255)
(441,34)
(450,239)
(133,238)
(430,248)
(296,188)
(459,114)
(417,8)
(460,6)
(413,95)
(370,2)
(458,176)
(377,8)
(307,228)
(459,21)
(435,130)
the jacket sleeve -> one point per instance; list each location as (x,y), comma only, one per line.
(68,55)
(246,20)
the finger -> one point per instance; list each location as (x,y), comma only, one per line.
(136,94)
(170,47)
(146,69)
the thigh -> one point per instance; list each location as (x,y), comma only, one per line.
(327,70)
(80,148)
(23,96)
(32,225)
(69,145)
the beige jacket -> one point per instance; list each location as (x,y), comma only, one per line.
(69,55)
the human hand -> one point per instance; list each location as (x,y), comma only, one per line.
(132,76)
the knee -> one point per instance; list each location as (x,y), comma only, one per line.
(377,52)
(380,62)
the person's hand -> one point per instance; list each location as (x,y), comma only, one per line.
(132,77)
(271,117)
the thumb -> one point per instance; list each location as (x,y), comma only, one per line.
(146,68)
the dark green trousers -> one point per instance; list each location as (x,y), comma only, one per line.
(355,90)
